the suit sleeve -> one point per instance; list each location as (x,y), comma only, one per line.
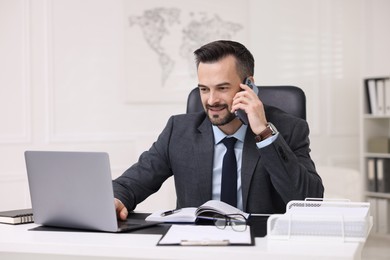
(288,163)
(147,175)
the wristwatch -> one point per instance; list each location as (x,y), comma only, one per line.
(267,132)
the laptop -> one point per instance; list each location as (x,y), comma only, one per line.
(74,190)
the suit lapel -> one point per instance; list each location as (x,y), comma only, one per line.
(204,149)
(250,158)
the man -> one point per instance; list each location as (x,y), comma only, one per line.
(272,159)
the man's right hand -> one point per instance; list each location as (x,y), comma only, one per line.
(121,210)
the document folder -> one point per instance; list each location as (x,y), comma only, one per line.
(199,235)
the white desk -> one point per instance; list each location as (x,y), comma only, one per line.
(16,242)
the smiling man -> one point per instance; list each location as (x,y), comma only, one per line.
(257,167)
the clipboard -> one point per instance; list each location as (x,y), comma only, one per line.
(205,235)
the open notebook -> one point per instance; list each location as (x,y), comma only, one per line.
(191,214)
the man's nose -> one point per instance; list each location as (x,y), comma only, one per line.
(213,98)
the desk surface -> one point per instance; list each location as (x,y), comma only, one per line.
(17,242)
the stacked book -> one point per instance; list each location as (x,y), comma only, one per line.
(13,217)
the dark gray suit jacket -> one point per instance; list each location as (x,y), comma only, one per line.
(271,176)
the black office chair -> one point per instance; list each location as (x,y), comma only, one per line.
(290,99)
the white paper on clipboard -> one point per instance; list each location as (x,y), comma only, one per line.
(199,235)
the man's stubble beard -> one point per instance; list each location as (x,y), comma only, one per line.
(217,121)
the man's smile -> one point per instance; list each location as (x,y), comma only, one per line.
(216,108)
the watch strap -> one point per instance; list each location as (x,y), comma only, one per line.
(267,132)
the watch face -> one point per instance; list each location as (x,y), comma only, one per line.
(273,128)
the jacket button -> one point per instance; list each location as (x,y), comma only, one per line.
(282,154)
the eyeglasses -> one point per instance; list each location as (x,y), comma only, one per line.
(236,221)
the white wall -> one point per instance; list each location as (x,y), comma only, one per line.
(64,79)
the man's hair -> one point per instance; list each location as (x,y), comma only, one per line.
(217,50)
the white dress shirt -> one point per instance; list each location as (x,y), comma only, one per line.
(219,153)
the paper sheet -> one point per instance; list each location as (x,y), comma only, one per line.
(205,235)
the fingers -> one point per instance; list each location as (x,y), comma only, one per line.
(121,210)
(248,101)
(246,87)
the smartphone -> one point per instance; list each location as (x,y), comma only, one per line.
(241,113)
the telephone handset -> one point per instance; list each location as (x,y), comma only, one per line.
(241,113)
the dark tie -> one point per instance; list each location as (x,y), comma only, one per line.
(229,173)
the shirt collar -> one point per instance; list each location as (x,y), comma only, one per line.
(239,134)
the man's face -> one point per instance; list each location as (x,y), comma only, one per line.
(218,84)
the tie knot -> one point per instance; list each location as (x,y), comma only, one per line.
(229,142)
